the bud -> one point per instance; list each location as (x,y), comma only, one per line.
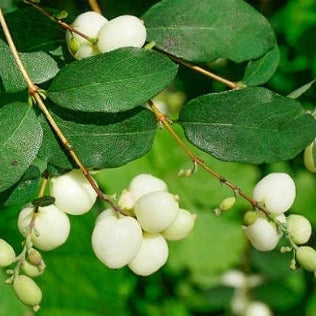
(33,270)
(251,216)
(7,254)
(306,257)
(299,228)
(34,257)
(126,201)
(262,234)
(309,160)
(27,290)
(227,203)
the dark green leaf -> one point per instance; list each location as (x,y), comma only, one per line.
(112,82)
(101,140)
(259,71)
(44,201)
(204,30)
(252,125)
(20,139)
(40,66)
(301,90)
(32,31)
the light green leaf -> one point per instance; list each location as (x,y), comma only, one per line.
(20,140)
(112,82)
(204,30)
(259,71)
(301,90)
(101,140)
(252,125)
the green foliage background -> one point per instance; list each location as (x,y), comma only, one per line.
(76,283)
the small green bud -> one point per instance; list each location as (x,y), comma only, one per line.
(309,161)
(251,216)
(74,45)
(27,290)
(7,254)
(306,257)
(227,203)
(299,228)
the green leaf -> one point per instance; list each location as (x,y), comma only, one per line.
(101,140)
(301,90)
(204,30)
(32,31)
(112,82)
(20,140)
(252,125)
(259,71)
(39,65)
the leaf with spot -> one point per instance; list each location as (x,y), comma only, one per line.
(20,140)
(204,30)
(252,125)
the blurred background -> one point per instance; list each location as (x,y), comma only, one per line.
(191,283)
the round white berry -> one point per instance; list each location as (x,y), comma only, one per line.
(258,309)
(31,269)
(144,184)
(7,254)
(309,160)
(73,193)
(116,240)
(306,257)
(234,278)
(156,211)
(86,51)
(262,234)
(152,255)
(51,228)
(276,192)
(27,290)
(299,228)
(123,31)
(181,227)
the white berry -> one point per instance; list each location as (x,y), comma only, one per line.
(299,228)
(31,269)
(7,254)
(156,211)
(51,228)
(123,31)
(262,234)
(276,192)
(257,309)
(306,257)
(27,290)
(116,241)
(181,227)
(152,255)
(86,51)
(309,160)
(73,193)
(144,184)
(126,202)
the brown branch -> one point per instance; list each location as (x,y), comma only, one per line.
(33,90)
(203,71)
(196,160)
(94,5)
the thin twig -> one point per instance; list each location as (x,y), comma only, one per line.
(94,5)
(34,92)
(203,71)
(196,160)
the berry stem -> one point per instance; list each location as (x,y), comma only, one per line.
(94,5)
(196,160)
(35,93)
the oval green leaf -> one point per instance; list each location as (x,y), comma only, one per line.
(116,81)
(252,125)
(20,140)
(100,140)
(204,30)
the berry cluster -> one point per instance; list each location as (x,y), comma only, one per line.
(139,240)
(105,36)
(276,193)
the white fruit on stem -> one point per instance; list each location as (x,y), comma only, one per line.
(152,255)
(262,234)
(126,201)
(181,227)
(116,240)
(27,290)
(122,31)
(144,184)
(256,308)
(31,269)
(73,193)
(51,228)
(7,254)
(276,192)
(299,228)
(86,51)
(306,257)
(156,211)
